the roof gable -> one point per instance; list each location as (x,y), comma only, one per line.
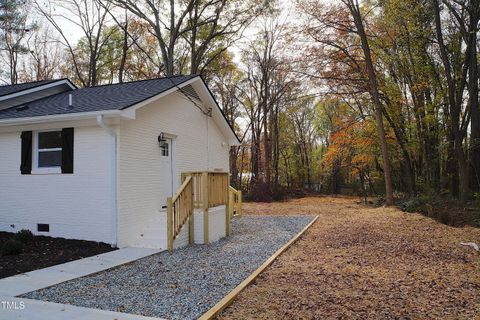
(9,89)
(19,94)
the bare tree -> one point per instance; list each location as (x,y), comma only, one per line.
(135,41)
(91,18)
(44,57)
(268,89)
(198,23)
(467,16)
(456,82)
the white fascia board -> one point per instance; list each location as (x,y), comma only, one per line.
(128,114)
(38,88)
(60,117)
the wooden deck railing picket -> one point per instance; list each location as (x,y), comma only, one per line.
(210,188)
(179,210)
(235,201)
(200,190)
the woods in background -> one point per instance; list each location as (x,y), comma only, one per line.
(415,62)
(366,97)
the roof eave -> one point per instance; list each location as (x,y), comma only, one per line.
(63,117)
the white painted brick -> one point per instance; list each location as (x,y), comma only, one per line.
(80,206)
(142,190)
(216,224)
(198,226)
(77,206)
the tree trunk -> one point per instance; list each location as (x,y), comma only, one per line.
(234,166)
(374,92)
(455,97)
(473,95)
(409,170)
(123,60)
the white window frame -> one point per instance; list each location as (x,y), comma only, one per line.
(43,170)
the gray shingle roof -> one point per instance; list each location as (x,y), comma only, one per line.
(9,89)
(100,98)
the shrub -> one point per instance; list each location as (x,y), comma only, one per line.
(412,205)
(24,236)
(11,247)
(446,209)
(260,193)
(279,194)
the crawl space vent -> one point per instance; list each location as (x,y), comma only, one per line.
(43,227)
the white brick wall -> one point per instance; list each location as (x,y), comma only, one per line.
(155,234)
(77,206)
(198,226)
(142,191)
(182,238)
(216,224)
(80,206)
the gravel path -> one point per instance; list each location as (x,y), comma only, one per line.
(185,284)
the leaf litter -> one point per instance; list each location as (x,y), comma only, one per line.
(359,262)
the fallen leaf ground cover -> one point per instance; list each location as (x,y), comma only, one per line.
(359,262)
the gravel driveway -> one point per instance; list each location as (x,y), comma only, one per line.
(185,284)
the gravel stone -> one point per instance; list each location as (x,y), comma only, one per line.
(185,284)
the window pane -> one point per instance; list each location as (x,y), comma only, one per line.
(49,159)
(51,139)
(164,148)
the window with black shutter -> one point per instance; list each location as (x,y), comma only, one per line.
(49,151)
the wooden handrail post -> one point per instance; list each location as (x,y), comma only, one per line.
(191,214)
(205,206)
(169,224)
(228,207)
(239,205)
(231,202)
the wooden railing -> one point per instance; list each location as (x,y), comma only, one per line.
(179,210)
(218,185)
(199,190)
(210,188)
(235,201)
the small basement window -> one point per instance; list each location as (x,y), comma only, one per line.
(47,151)
(164,148)
(43,227)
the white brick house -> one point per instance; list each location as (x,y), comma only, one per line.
(99,163)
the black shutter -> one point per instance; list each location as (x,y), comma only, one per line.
(26,161)
(67,150)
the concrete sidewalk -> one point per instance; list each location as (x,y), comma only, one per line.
(11,307)
(28,309)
